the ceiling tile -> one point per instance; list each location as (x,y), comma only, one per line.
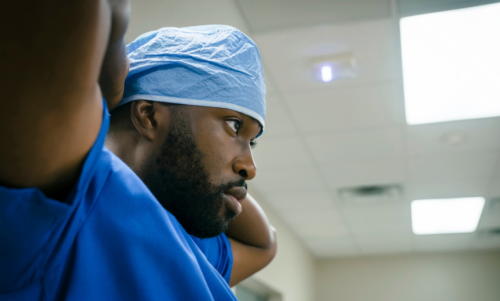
(490,219)
(386,248)
(278,123)
(479,134)
(367,172)
(494,187)
(355,146)
(443,242)
(444,187)
(309,200)
(287,180)
(281,153)
(341,246)
(383,238)
(327,252)
(486,243)
(279,14)
(417,7)
(324,229)
(328,218)
(288,54)
(400,226)
(348,108)
(148,15)
(270,89)
(378,221)
(384,243)
(452,165)
(377,213)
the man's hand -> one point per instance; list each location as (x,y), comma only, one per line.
(253,241)
(116,64)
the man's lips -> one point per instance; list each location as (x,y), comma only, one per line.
(240,193)
(234,196)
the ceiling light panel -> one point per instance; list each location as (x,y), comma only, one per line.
(441,216)
(450,64)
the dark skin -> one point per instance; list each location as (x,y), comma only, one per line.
(53,55)
(138,134)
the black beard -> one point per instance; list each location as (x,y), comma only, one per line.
(180,182)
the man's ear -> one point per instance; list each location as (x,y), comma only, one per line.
(142,113)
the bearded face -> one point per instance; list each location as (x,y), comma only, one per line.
(182,184)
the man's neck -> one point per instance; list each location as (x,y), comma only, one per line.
(127,148)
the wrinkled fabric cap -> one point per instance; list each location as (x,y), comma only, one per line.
(211,66)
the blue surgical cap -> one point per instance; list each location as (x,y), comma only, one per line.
(211,66)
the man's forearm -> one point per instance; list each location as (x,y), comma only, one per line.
(252,227)
(253,241)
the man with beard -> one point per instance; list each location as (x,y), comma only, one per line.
(189,148)
(76,223)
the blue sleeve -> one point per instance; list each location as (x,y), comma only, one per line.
(218,252)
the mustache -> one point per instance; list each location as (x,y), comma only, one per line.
(238,183)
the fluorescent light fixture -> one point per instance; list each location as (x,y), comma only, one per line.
(451,63)
(326,74)
(442,216)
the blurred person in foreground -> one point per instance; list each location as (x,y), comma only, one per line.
(76,222)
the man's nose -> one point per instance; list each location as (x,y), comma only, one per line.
(245,166)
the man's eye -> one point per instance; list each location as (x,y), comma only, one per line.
(253,144)
(234,125)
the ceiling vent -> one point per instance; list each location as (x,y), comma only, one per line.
(370,195)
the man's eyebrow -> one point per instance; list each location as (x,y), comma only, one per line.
(256,121)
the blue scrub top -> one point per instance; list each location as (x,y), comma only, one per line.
(110,240)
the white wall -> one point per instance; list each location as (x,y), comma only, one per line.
(292,272)
(428,277)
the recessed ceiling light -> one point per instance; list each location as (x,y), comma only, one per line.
(327,68)
(442,216)
(450,64)
(326,74)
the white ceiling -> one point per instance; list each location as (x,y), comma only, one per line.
(321,137)
(265,15)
